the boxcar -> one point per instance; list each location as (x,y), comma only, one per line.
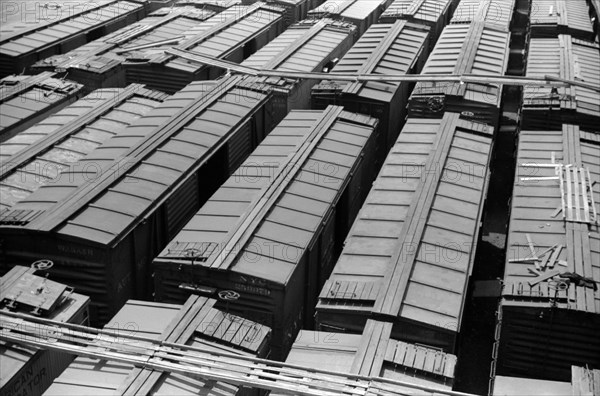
(99,63)
(499,12)
(111,212)
(359,12)
(211,5)
(396,48)
(374,353)
(295,10)
(548,320)
(308,46)
(409,254)
(25,100)
(65,30)
(196,323)
(568,58)
(232,35)
(433,13)
(549,18)
(272,231)
(37,155)
(584,382)
(28,371)
(476,48)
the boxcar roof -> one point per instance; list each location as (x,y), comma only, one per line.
(353,9)
(425,10)
(411,248)
(277,237)
(498,12)
(383,49)
(557,15)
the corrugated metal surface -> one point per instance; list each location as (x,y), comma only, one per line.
(281,208)
(307,46)
(385,48)
(107,215)
(196,323)
(295,10)
(23,48)
(99,63)
(401,259)
(477,48)
(36,156)
(567,58)
(233,35)
(498,12)
(28,371)
(550,18)
(360,13)
(374,353)
(25,100)
(433,13)
(534,310)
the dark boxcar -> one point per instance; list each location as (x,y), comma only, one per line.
(499,12)
(29,371)
(361,13)
(476,48)
(107,215)
(308,46)
(410,252)
(549,18)
(196,324)
(548,319)
(99,63)
(395,48)
(272,231)
(433,13)
(26,100)
(36,156)
(374,353)
(567,58)
(63,29)
(232,35)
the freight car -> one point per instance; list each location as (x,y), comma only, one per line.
(359,12)
(99,63)
(232,35)
(308,46)
(196,324)
(433,13)
(114,210)
(25,100)
(295,10)
(374,353)
(28,371)
(210,5)
(271,233)
(567,58)
(476,48)
(584,382)
(549,315)
(409,254)
(549,18)
(36,156)
(66,29)
(397,48)
(499,12)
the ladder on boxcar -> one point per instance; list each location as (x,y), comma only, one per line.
(282,378)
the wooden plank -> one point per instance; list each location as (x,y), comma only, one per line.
(562,191)
(569,196)
(584,196)
(543,277)
(531,246)
(578,256)
(590,187)
(555,255)
(588,270)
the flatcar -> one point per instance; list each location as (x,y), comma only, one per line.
(63,30)
(409,255)
(28,370)
(99,63)
(359,12)
(272,231)
(549,315)
(475,48)
(110,213)
(197,323)
(400,47)
(26,100)
(309,46)
(37,155)
(564,57)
